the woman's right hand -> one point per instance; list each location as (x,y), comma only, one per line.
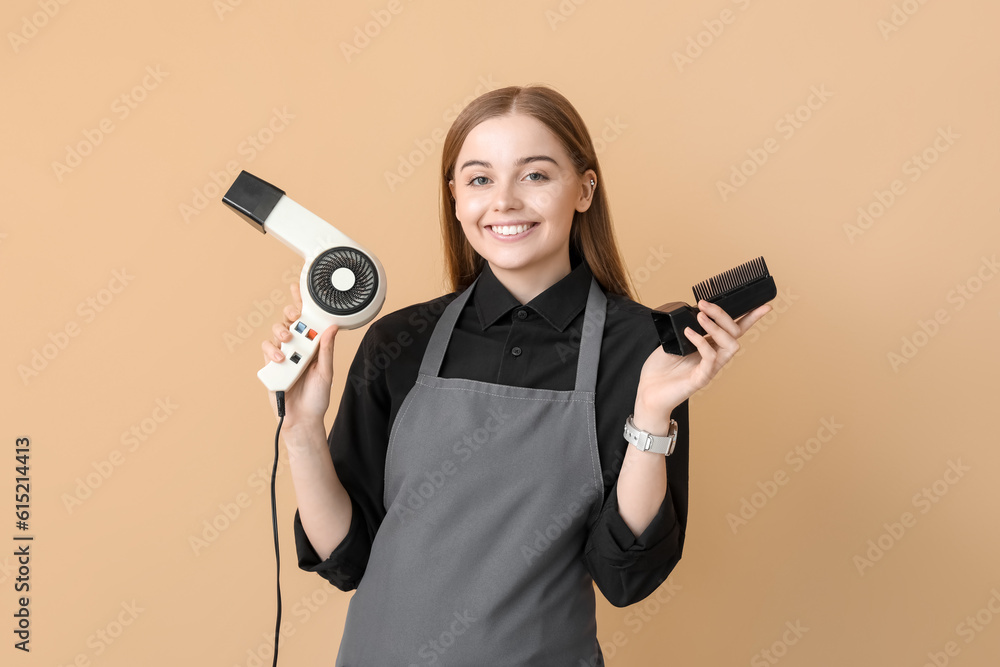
(309,398)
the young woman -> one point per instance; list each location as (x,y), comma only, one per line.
(476,482)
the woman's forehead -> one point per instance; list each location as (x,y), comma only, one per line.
(504,140)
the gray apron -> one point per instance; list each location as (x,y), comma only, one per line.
(489,490)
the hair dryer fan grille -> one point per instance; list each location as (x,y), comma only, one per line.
(351,300)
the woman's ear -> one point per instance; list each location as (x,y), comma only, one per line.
(587,188)
(451,186)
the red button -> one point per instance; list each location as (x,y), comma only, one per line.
(311,334)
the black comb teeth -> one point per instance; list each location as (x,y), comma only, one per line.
(718,285)
(737,291)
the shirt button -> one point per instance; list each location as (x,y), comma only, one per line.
(521,314)
(516,351)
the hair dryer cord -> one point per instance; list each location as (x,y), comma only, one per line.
(280,396)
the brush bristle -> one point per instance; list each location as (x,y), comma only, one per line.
(731,280)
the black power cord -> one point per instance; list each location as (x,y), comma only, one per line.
(280,397)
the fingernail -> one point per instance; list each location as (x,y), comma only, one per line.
(278,356)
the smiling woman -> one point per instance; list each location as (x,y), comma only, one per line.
(516,206)
(478,485)
(530,148)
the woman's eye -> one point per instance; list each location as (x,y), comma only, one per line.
(540,175)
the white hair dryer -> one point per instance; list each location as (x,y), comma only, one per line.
(342,282)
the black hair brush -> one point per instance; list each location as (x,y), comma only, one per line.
(737,291)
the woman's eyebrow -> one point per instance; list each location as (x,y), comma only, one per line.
(518,163)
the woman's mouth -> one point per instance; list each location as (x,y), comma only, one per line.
(511,232)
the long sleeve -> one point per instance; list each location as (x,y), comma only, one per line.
(625,567)
(357,445)
(346,565)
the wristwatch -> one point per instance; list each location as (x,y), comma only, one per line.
(646,442)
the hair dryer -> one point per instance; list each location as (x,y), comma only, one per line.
(342,282)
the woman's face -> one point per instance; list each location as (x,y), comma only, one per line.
(513,171)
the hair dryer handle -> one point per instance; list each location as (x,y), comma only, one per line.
(299,351)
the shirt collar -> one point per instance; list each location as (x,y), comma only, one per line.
(558,304)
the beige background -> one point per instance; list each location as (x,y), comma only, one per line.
(168,327)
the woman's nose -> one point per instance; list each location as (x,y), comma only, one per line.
(505,196)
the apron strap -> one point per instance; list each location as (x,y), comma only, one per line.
(434,354)
(590,338)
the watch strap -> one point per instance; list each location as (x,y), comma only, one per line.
(647,442)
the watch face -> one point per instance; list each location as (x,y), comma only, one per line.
(673,436)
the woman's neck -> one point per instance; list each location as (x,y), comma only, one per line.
(528,282)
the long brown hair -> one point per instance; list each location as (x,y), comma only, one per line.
(591,233)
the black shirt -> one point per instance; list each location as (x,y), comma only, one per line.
(496,339)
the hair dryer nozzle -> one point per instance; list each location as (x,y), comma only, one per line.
(253,199)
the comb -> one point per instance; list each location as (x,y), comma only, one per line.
(737,291)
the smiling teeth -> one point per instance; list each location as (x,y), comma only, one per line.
(509,230)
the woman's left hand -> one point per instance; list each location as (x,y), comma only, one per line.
(667,380)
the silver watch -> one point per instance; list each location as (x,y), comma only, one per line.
(646,442)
